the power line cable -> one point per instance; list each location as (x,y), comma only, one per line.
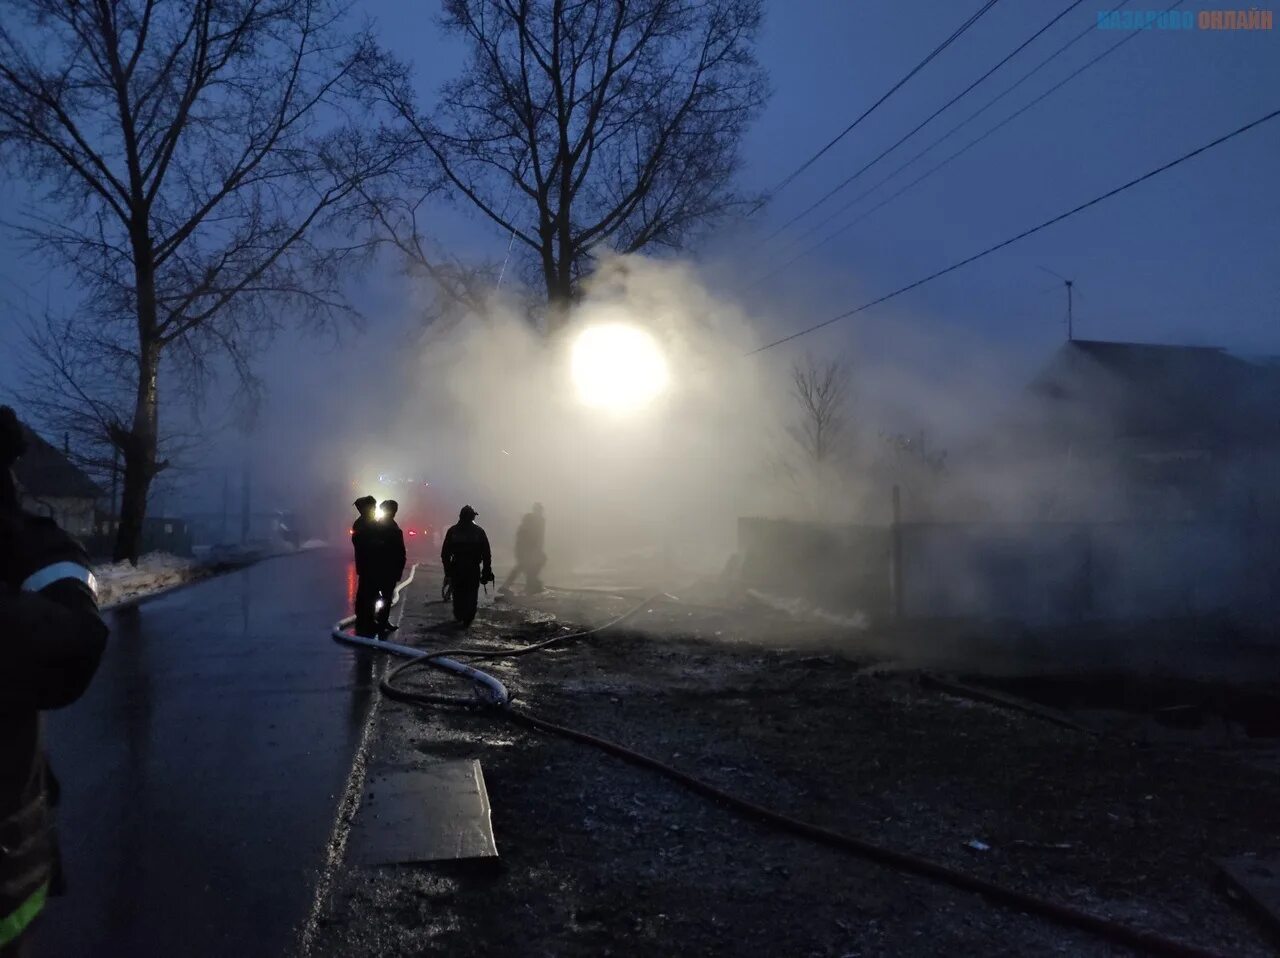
(936,167)
(849,179)
(977,113)
(959,31)
(1025,233)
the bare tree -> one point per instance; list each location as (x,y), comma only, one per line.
(578,124)
(191,154)
(808,468)
(79,380)
(821,392)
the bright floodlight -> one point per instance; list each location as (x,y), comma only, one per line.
(617,366)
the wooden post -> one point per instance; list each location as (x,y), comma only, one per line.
(895,555)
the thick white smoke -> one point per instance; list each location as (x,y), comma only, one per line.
(662,484)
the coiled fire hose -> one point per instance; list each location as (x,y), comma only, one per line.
(494,697)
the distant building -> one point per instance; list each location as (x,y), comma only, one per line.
(159,534)
(1169,432)
(49,484)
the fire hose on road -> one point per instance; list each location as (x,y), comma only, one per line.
(493,696)
(492,691)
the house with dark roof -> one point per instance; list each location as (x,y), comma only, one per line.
(49,484)
(1178,432)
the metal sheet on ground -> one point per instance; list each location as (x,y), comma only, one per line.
(1257,878)
(439,812)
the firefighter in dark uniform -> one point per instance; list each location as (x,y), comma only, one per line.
(390,563)
(364,540)
(52,641)
(531,556)
(467,563)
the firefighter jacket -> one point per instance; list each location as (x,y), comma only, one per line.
(52,641)
(465,552)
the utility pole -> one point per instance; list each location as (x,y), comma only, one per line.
(1070,318)
(1070,284)
(244,505)
(226,504)
(895,557)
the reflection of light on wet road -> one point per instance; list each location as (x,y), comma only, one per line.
(351,585)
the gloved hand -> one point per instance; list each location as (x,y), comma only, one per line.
(486,577)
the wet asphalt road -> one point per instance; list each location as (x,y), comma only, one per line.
(202,770)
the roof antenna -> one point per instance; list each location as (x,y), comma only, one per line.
(1070,284)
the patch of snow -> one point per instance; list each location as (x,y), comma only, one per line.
(808,612)
(120,581)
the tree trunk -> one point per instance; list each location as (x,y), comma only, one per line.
(560,298)
(141,443)
(559,287)
(558,302)
(139,450)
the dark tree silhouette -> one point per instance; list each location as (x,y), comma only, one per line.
(192,157)
(821,392)
(580,124)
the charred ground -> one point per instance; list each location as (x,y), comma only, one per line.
(599,857)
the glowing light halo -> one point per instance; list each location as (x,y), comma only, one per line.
(617,366)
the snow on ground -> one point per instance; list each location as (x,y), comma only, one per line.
(805,611)
(121,582)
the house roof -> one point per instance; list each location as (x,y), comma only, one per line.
(1142,390)
(44,472)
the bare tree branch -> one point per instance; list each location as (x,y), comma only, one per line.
(200,172)
(821,392)
(611,122)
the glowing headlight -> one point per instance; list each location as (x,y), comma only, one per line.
(617,366)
